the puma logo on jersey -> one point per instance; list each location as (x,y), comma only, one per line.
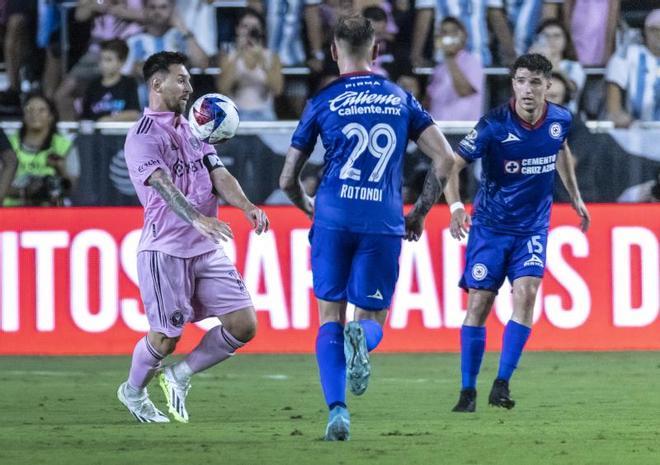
(534,261)
(511,138)
(376,295)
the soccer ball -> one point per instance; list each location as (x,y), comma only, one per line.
(213,118)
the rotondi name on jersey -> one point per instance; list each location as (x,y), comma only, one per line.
(360,103)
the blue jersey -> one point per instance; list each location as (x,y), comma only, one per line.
(518,167)
(364,122)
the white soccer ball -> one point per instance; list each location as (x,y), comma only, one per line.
(213,118)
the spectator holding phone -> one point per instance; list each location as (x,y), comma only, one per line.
(251,74)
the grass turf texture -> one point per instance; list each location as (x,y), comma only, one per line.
(573,408)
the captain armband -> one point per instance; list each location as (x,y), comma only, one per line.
(212,161)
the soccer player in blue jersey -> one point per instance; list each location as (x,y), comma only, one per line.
(521,145)
(365,123)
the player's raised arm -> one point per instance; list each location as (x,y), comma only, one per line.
(290,180)
(231,191)
(208,226)
(566,169)
(434,145)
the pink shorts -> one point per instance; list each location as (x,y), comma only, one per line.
(176,291)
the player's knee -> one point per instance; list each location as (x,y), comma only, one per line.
(525,291)
(163,344)
(246,331)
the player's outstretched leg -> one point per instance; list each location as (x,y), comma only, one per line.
(133,393)
(473,343)
(339,425)
(513,341)
(332,372)
(216,345)
(360,338)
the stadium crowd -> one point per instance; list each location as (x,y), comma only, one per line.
(84,58)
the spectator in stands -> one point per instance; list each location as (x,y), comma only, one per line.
(648,191)
(593,26)
(554,42)
(251,74)
(163,30)
(455,91)
(524,17)
(476,15)
(8,164)
(582,144)
(112,96)
(45,171)
(384,39)
(285,19)
(19,39)
(113,19)
(200,16)
(559,92)
(635,70)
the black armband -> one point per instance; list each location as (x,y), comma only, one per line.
(212,161)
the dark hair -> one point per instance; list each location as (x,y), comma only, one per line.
(356,31)
(569,51)
(374,13)
(557,76)
(535,62)
(252,12)
(116,45)
(161,61)
(52,130)
(456,21)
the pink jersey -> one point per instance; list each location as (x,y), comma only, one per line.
(163,140)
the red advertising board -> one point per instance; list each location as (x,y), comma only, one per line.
(68,283)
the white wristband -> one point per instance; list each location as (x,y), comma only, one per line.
(456,206)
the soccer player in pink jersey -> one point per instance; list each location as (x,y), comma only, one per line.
(183,272)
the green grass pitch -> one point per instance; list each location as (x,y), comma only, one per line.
(573,408)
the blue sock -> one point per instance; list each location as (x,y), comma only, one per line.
(513,341)
(473,344)
(332,363)
(373,333)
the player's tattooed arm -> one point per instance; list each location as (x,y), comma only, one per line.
(433,144)
(290,181)
(209,227)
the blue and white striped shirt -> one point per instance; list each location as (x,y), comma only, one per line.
(524,16)
(142,46)
(284,20)
(637,71)
(473,14)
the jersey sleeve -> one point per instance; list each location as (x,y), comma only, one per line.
(305,135)
(144,155)
(419,118)
(474,145)
(617,70)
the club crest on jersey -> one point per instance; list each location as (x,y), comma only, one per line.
(555,130)
(177,319)
(479,271)
(195,142)
(511,166)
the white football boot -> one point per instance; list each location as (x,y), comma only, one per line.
(140,406)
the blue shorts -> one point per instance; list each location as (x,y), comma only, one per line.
(490,257)
(357,267)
